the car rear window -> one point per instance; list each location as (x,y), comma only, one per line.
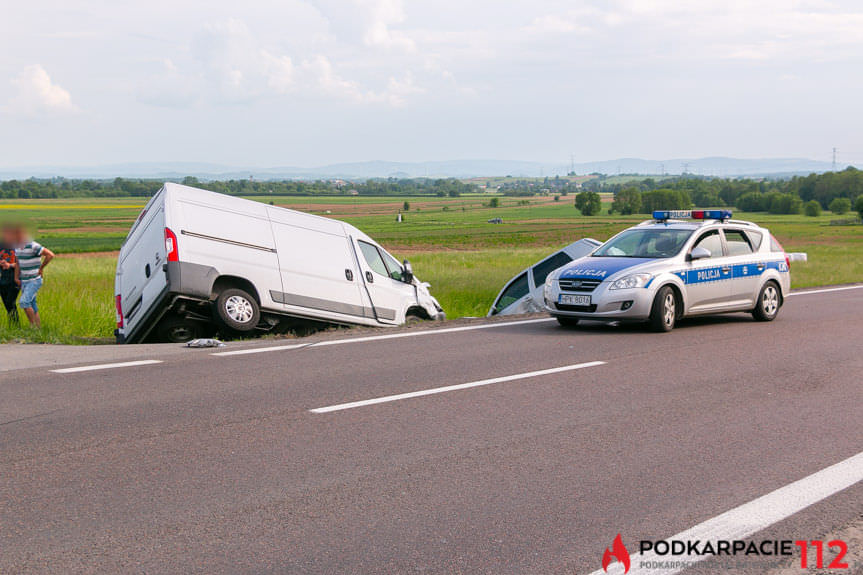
(756,238)
(543,268)
(737,242)
(513,292)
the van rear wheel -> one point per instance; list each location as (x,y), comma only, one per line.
(237,310)
(175,329)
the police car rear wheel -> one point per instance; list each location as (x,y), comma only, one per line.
(768,303)
(567,321)
(663,316)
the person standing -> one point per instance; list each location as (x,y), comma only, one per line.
(32,259)
(8,288)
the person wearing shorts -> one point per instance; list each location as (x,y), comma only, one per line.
(32,259)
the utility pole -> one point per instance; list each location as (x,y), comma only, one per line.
(834,159)
(572,163)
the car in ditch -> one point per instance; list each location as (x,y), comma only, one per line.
(668,268)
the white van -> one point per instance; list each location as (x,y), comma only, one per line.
(196,262)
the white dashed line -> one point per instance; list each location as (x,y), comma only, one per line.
(106,366)
(435,390)
(381,337)
(744,521)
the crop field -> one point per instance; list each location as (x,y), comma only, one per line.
(449,241)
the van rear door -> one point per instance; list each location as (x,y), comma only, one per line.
(141,281)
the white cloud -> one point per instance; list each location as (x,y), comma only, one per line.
(36,94)
(369,22)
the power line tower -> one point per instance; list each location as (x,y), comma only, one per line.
(685,167)
(834,159)
(572,164)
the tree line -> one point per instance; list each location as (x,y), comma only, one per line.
(837,191)
(131,187)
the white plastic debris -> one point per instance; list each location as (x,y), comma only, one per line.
(205,342)
(797,257)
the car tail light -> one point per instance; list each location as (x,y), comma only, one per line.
(118,302)
(788,261)
(171,246)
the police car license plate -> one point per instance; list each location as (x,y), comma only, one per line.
(569,299)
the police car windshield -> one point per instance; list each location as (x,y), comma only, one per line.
(644,243)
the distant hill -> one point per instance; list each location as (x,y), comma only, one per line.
(712,166)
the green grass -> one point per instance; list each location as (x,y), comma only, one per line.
(75,304)
(466,260)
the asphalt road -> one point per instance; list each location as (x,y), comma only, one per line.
(215,464)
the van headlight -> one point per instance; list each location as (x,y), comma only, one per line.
(631,281)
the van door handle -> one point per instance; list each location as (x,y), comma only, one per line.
(370,278)
(349,275)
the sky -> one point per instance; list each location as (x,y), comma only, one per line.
(269,83)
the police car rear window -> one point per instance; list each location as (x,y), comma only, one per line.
(756,239)
(737,242)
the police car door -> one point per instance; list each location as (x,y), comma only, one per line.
(708,284)
(746,265)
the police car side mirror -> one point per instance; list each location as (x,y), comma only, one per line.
(407,273)
(699,253)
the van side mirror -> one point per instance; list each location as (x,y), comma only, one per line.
(407,273)
(699,253)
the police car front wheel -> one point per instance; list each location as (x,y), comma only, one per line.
(663,316)
(768,302)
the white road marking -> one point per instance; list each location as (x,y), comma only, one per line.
(808,292)
(456,387)
(382,337)
(106,366)
(744,521)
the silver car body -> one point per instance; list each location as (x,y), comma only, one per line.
(744,258)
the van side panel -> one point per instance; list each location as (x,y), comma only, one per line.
(318,270)
(231,238)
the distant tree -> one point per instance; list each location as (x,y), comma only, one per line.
(494,203)
(406,206)
(840,206)
(812,208)
(588,203)
(859,206)
(665,199)
(556,198)
(627,201)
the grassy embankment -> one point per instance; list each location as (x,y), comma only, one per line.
(448,240)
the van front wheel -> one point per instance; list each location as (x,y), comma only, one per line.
(238,310)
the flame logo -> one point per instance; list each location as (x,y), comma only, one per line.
(618,552)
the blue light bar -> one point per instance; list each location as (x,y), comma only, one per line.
(671,214)
(663,215)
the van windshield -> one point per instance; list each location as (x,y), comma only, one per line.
(644,243)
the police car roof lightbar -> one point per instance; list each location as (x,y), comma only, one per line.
(663,215)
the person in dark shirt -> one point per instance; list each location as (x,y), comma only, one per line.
(9,289)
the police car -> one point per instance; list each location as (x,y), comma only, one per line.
(666,268)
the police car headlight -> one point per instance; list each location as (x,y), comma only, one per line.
(633,281)
(549,283)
